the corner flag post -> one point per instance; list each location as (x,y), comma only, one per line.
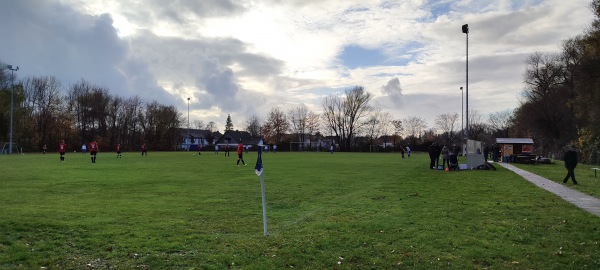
(258,169)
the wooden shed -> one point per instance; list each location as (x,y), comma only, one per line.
(514,148)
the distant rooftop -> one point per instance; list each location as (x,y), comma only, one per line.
(514,140)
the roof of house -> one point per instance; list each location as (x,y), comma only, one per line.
(197,133)
(231,136)
(514,140)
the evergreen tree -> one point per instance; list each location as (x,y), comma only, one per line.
(229,124)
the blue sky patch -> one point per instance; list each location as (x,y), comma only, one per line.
(354,56)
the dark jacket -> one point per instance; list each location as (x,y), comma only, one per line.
(432,151)
(570,159)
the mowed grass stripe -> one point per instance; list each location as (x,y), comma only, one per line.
(342,211)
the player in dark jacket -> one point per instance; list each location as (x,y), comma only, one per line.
(432,155)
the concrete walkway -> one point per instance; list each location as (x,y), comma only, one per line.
(581,200)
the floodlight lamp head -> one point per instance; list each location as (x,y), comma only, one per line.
(465,28)
(461,88)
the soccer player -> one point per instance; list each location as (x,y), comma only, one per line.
(144,150)
(44,149)
(119,150)
(62,148)
(227,150)
(93,151)
(240,152)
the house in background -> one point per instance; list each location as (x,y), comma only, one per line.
(192,139)
(231,137)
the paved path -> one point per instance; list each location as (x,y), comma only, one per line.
(581,200)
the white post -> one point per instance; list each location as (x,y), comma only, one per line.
(264,202)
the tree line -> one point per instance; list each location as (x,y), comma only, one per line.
(43,115)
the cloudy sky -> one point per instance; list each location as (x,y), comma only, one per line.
(243,57)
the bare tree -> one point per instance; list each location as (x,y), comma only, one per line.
(343,115)
(544,110)
(414,126)
(373,126)
(477,128)
(298,117)
(500,122)
(42,101)
(312,123)
(385,125)
(398,129)
(253,125)
(446,123)
(212,126)
(198,124)
(275,126)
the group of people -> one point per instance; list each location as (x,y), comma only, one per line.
(62,150)
(226,149)
(93,146)
(405,150)
(449,156)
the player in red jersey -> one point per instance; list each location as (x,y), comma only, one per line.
(144,150)
(240,152)
(93,150)
(119,150)
(62,148)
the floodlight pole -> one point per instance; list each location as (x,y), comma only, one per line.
(462,110)
(465,30)
(12,90)
(191,142)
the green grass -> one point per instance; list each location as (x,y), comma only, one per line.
(340,211)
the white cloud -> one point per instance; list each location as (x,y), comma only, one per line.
(243,57)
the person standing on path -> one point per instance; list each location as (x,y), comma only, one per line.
(240,152)
(570,160)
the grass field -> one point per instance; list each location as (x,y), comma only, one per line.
(342,211)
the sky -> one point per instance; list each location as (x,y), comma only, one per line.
(245,57)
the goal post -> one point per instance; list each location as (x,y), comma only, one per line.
(373,148)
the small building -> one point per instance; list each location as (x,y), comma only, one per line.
(515,149)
